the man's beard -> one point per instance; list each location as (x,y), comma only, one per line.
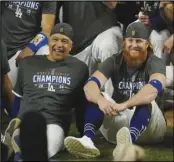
(134,61)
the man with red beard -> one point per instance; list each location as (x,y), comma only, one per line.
(132,114)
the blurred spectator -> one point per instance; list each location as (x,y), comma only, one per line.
(25,28)
(132,8)
(97,33)
(154,17)
(33,137)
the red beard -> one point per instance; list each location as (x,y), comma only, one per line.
(134,61)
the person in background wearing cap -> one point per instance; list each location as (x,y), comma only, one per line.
(51,85)
(158,18)
(26,26)
(132,115)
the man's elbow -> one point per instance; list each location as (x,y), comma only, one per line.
(151,98)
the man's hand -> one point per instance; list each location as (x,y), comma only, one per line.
(119,107)
(107,107)
(24,53)
(164,3)
(168,45)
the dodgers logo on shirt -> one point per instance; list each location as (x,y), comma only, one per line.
(52,80)
(25,7)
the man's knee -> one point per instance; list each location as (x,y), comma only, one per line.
(169,76)
(55,137)
(107,43)
(158,38)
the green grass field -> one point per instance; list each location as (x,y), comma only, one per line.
(159,152)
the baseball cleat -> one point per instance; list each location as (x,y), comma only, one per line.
(13,125)
(125,150)
(81,147)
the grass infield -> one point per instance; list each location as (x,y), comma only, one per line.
(158,152)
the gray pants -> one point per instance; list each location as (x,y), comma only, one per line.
(104,46)
(155,130)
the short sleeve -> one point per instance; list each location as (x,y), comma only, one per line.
(5,65)
(156,65)
(49,7)
(18,89)
(107,67)
(86,75)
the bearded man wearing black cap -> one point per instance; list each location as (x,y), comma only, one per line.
(51,85)
(131,115)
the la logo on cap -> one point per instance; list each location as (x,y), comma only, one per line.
(61,30)
(133,32)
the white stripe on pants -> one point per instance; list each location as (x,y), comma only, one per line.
(55,138)
(12,63)
(154,132)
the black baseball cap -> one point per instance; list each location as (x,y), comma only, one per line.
(137,30)
(63,28)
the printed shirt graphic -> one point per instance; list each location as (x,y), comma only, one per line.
(21,21)
(50,87)
(125,84)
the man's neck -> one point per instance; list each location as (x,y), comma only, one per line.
(50,58)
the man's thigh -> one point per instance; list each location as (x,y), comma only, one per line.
(84,55)
(107,43)
(157,40)
(55,137)
(13,68)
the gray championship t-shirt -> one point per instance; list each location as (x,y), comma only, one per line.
(126,83)
(21,21)
(51,88)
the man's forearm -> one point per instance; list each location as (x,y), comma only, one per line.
(92,92)
(47,23)
(145,96)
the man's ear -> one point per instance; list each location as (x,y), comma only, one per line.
(148,44)
(71,45)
